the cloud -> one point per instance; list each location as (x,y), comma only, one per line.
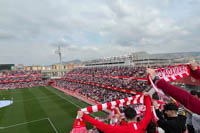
(31,30)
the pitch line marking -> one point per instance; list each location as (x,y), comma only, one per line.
(52,125)
(67,100)
(23,123)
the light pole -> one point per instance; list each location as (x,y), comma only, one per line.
(58,51)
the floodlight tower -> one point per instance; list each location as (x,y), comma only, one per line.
(58,51)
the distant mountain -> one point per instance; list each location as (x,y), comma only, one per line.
(176,55)
(73,61)
(145,55)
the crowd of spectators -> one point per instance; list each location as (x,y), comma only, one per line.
(21,79)
(20,76)
(19,73)
(127,84)
(72,86)
(24,84)
(98,75)
(98,94)
(129,71)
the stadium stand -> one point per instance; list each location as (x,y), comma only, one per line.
(98,94)
(130,71)
(21,79)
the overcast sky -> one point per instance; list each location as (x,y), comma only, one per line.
(31,30)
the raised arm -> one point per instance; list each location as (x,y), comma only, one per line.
(100,125)
(182,96)
(147,117)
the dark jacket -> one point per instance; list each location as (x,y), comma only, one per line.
(171,124)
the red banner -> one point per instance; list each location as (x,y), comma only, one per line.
(109,76)
(16,81)
(103,86)
(14,76)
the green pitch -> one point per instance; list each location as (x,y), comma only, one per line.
(38,110)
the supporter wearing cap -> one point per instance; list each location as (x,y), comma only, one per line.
(172,122)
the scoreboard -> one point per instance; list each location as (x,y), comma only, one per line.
(7,67)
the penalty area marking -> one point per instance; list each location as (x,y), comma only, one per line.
(24,123)
(52,125)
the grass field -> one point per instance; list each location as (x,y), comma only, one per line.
(39,110)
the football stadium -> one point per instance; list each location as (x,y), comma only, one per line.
(99,66)
(32,103)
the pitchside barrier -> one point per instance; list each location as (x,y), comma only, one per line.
(76,95)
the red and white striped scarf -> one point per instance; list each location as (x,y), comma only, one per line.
(79,125)
(170,73)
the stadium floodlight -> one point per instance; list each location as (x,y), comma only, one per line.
(58,51)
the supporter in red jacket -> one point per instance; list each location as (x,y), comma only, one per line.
(189,101)
(131,127)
